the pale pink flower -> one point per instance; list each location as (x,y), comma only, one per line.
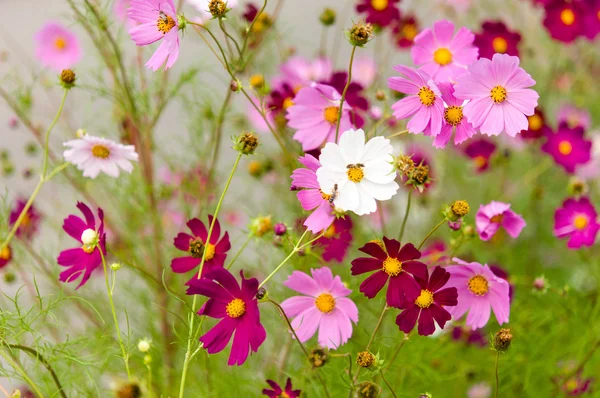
(494,215)
(120,10)
(57,47)
(299,72)
(364,70)
(454,120)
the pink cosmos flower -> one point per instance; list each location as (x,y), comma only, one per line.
(454,120)
(496,38)
(494,215)
(30,223)
(478,290)
(157,21)
(324,306)
(577,220)
(315,114)
(574,116)
(337,240)
(310,196)
(423,101)
(568,147)
(300,72)
(195,246)
(82,260)
(278,392)
(480,151)
(379,12)
(435,252)
(237,307)
(441,55)
(498,94)
(57,47)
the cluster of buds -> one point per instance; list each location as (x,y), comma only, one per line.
(246,143)
(360,34)
(502,340)
(260,226)
(413,174)
(318,357)
(455,213)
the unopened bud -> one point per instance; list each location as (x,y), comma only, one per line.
(360,33)
(502,340)
(327,17)
(318,357)
(368,389)
(235,86)
(365,359)
(246,143)
(115,266)
(80,133)
(577,187)
(460,208)
(260,226)
(380,95)
(144,345)
(67,78)
(261,293)
(147,359)
(217,8)
(280,229)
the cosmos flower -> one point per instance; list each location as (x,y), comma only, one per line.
(469,336)
(93,155)
(494,38)
(315,114)
(394,263)
(311,196)
(591,24)
(379,12)
(536,126)
(575,385)
(577,220)
(443,55)
(82,260)
(564,19)
(568,147)
(405,30)
(491,217)
(355,96)
(364,71)
(502,273)
(278,101)
(300,72)
(29,224)
(57,47)
(454,120)
(574,116)
(429,306)
(423,101)
(237,308)
(278,392)
(591,170)
(498,94)
(337,240)
(195,246)
(478,290)
(157,21)
(5,256)
(202,7)
(434,252)
(362,172)
(324,307)
(480,151)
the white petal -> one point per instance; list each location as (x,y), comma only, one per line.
(376,148)
(348,197)
(327,178)
(352,145)
(379,171)
(331,158)
(367,204)
(380,191)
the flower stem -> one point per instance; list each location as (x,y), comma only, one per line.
(46,141)
(405,216)
(377,326)
(20,369)
(248,239)
(497,378)
(430,233)
(337,127)
(114,314)
(387,384)
(396,352)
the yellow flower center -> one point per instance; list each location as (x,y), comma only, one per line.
(325,196)
(478,285)
(480,161)
(60,43)
(236,308)
(26,220)
(355,173)
(325,303)
(500,45)
(330,232)
(379,5)
(442,56)
(392,266)
(535,122)
(210,252)
(5,253)
(287,103)
(498,94)
(426,96)
(565,148)
(100,151)
(331,114)
(409,31)
(283,395)
(567,16)
(425,299)
(580,222)
(257,80)
(453,115)
(497,218)
(165,23)
(89,249)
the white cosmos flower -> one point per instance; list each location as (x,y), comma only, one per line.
(94,154)
(362,172)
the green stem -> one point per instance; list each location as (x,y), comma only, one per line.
(396,352)
(377,326)
(337,127)
(20,369)
(296,249)
(248,239)
(245,45)
(47,139)
(387,384)
(430,233)
(497,378)
(222,26)
(405,215)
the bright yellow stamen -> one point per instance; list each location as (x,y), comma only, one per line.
(236,308)
(26,220)
(165,23)
(257,81)
(571,384)
(325,303)
(283,395)
(480,161)
(88,249)
(580,222)
(379,5)
(426,96)
(535,122)
(100,151)
(478,285)
(325,196)
(497,218)
(331,114)
(567,16)
(60,43)
(287,103)
(392,266)
(5,253)
(355,173)
(409,31)
(565,148)
(330,232)
(442,56)
(425,299)
(453,115)
(210,252)
(498,94)
(500,45)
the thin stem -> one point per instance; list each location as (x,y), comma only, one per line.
(337,127)
(397,134)
(587,357)
(296,249)
(248,239)
(20,369)
(47,139)
(405,215)
(396,352)
(497,378)
(218,133)
(245,45)
(387,384)
(430,233)
(17,224)
(377,326)
(150,391)
(222,26)
(114,314)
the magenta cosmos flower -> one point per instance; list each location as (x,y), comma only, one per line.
(157,21)
(442,55)
(82,260)
(278,392)
(315,114)
(237,307)
(494,38)
(379,12)
(57,47)
(324,306)
(30,222)
(195,245)
(310,195)
(568,147)
(576,220)
(564,19)
(480,151)
(392,262)
(498,94)
(429,306)
(405,30)
(591,24)
(337,240)
(423,101)
(454,120)
(494,215)
(478,290)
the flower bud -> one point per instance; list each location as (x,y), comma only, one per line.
(260,226)
(577,187)
(80,133)
(261,293)
(502,340)
(9,277)
(115,266)
(147,359)
(327,17)
(257,81)
(368,389)
(380,95)
(460,208)
(318,357)
(67,78)
(280,229)
(359,34)
(455,225)
(129,390)
(365,359)
(469,231)
(426,395)
(404,165)
(144,345)
(235,86)
(246,143)
(89,237)
(540,284)
(217,8)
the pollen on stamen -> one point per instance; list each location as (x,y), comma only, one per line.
(478,285)
(331,114)
(498,94)
(392,266)
(325,303)
(355,173)
(426,96)
(165,23)
(100,151)
(453,115)
(236,308)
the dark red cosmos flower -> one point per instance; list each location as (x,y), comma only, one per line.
(405,30)
(196,245)
(279,99)
(354,96)
(429,306)
(238,310)
(30,222)
(591,25)
(396,263)
(564,19)
(379,12)
(575,385)
(469,336)
(337,240)
(480,151)
(250,12)
(278,392)
(537,127)
(496,38)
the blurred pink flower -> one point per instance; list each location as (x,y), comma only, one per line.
(299,72)
(57,47)
(491,217)
(496,38)
(364,71)
(577,220)
(574,116)
(30,223)
(379,12)
(120,9)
